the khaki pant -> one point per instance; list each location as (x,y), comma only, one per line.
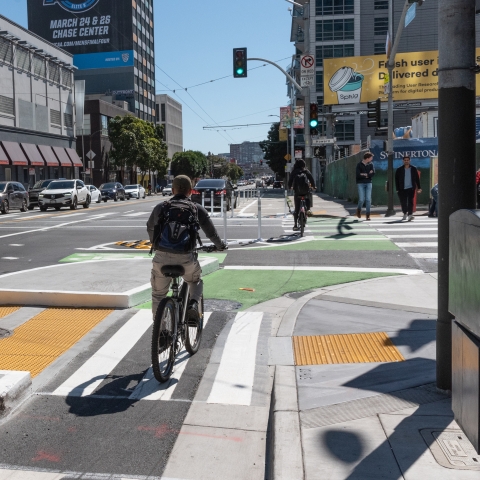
(161,284)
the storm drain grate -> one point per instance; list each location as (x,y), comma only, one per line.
(38,342)
(367,407)
(349,348)
(451,448)
(4,311)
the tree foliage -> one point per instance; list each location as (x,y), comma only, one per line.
(191,163)
(219,167)
(275,150)
(137,143)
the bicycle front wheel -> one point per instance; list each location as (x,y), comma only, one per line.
(163,341)
(194,329)
(301,221)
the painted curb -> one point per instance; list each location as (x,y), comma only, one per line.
(15,387)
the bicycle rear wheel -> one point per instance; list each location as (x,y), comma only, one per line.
(301,221)
(163,344)
(193,331)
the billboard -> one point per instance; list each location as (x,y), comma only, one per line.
(362,79)
(85,27)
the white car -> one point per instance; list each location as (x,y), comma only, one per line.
(64,193)
(135,191)
(95,194)
(167,190)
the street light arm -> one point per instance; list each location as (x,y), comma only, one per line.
(292,80)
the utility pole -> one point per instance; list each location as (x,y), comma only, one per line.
(456,150)
(306,96)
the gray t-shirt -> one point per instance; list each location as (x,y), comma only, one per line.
(408,178)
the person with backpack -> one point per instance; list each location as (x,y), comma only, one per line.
(364,173)
(301,180)
(173,231)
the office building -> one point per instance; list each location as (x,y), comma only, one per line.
(169,114)
(37,110)
(112,42)
(246,153)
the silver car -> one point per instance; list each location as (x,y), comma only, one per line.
(13,195)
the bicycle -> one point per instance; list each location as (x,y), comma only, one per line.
(302,215)
(171,329)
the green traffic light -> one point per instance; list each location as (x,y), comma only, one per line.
(239,71)
(313,123)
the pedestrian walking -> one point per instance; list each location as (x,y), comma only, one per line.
(433,212)
(364,173)
(407,181)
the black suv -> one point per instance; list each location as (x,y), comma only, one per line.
(113,191)
(13,195)
(34,191)
(217,186)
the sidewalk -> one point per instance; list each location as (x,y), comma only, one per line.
(355,381)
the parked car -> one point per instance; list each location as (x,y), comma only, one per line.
(113,191)
(34,191)
(167,190)
(277,184)
(64,193)
(13,195)
(217,186)
(95,194)
(135,191)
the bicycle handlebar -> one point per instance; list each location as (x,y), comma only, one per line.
(210,248)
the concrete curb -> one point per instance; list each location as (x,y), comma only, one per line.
(15,387)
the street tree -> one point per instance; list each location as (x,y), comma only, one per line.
(191,163)
(275,150)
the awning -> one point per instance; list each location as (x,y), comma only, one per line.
(48,155)
(3,157)
(62,156)
(33,155)
(15,153)
(73,155)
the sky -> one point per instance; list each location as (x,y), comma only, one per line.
(194,41)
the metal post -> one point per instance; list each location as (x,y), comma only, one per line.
(211,202)
(306,93)
(203,199)
(221,203)
(285,204)
(224,213)
(232,204)
(456,150)
(259,216)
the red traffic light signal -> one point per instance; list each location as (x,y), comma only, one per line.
(239,62)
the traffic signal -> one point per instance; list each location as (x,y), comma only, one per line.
(313,115)
(239,62)
(375,111)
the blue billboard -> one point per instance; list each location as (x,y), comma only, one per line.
(104,60)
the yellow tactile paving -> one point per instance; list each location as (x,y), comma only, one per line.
(38,342)
(349,348)
(4,311)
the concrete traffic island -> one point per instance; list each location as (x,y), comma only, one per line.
(112,283)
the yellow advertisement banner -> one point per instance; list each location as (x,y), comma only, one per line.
(283,134)
(364,79)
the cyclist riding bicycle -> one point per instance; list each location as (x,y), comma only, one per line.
(174,242)
(302,182)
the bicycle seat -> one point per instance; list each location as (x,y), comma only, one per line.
(173,270)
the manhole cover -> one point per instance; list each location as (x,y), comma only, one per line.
(4,333)
(451,448)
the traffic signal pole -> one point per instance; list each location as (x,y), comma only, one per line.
(306,97)
(456,150)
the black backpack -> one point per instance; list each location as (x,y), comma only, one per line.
(301,184)
(177,227)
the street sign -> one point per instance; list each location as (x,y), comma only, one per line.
(90,155)
(317,140)
(307,71)
(411,12)
(307,81)
(287,157)
(298,154)
(91,164)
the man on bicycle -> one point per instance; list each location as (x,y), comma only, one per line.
(302,181)
(181,189)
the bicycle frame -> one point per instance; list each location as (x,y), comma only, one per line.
(180,302)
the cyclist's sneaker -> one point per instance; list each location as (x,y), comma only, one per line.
(309,213)
(192,314)
(295,228)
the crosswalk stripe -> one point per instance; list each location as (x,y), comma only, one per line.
(414,229)
(92,373)
(413,236)
(417,244)
(233,384)
(423,255)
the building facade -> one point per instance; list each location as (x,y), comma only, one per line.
(112,42)
(169,114)
(37,108)
(246,153)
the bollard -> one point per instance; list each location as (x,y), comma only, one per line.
(259,217)
(232,204)
(203,199)
(221,203)
(285,206)
(224,213)
(211,202)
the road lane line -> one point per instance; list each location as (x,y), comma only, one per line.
(417,244)
(406,271)
(233,384)
(92,373)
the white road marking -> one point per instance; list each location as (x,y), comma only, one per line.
(424,255)
(417,244)
(414,229)
(92,373)
(413,236)
(136,214)
(233,384)
(242,211)
(16,245)
(149,389)
(404,271)
(9,258)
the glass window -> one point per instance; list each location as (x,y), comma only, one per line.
(333,51)
(23,58)
(162,107)
(333,7)
(345,130)
(319,81)
(53,72)
(39,67)
(380,26)
(381,5)
(341,29)
(379,48)
(6,51)
(104,120)
(58,185)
